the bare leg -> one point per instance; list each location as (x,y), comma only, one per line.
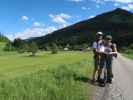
(96,66)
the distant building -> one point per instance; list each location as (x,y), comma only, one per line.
(66,49)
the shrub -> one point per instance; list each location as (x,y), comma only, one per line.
(9,47)
(131,46)
(23,48)
(33,48)
(54,48)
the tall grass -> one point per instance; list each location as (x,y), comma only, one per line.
(14,64)
(58,83)
(62,76)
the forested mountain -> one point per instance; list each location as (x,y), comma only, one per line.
(118,23)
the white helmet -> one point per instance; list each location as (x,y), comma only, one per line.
(99,33)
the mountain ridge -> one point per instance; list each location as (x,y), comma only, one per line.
(118,23)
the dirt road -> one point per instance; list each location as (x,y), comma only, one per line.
(122,87)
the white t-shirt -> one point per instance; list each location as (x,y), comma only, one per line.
(107,49)
(99,46)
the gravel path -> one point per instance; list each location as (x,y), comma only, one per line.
(122,87)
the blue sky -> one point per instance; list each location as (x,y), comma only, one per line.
(31,18)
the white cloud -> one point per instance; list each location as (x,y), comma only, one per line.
(99,1)
(24,18)
(32,32)
(76,1)
(123,1)
(39,29)
(36,24)
(10,36)
(128,7)
(50,29)
(116,4)
(115,1)
(92,16)
(60,18)
(125,7)
(36,31)
(63,26)
(85,8)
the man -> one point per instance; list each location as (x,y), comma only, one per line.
(107,54)
(96,46)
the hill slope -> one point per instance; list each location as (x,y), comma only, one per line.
(118,23)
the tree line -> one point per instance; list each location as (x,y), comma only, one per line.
(3,38)
(22,46)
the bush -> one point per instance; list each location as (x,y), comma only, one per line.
(23,48)
(18,43)
(33,48)
(47,47)
(54,48)
(9,47)
(131,46)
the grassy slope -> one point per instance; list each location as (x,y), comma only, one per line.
(128,53)
(16,64)
(45,77)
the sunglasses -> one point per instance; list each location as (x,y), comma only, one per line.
(108,39)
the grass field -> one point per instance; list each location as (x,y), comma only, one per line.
(47,76)
(128,53)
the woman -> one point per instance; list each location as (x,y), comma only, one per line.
(108,51)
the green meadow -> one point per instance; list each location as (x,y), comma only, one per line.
(128,53)
(62,76)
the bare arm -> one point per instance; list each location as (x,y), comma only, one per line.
(114,52)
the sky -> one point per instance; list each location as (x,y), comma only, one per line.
(33,18)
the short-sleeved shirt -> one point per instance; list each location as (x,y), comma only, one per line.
(109,48)
(98,45)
